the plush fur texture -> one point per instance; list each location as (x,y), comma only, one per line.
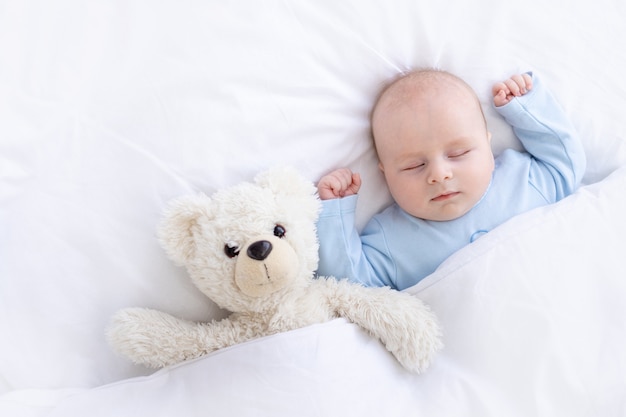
(252,249)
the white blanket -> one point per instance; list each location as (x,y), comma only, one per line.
(108,110)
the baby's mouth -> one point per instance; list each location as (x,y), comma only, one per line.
(446,196)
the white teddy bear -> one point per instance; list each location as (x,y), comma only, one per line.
(252,249)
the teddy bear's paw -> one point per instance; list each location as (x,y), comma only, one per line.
(151,338)
(415,336)
(404,324)
(416,349)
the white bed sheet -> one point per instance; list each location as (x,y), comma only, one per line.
(523,337)
(108,110)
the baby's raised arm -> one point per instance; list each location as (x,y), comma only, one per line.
(339,183)
(516,86)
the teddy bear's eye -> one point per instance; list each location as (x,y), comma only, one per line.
(279,231)
(231,251)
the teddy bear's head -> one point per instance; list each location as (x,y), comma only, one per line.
(246,243)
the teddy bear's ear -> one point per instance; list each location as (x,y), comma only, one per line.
(293,190)
(285,180)
(180,223)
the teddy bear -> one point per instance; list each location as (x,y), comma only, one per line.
(253,249)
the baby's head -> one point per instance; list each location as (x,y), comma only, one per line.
(433,144)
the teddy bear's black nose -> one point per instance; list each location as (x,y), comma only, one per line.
(259,250)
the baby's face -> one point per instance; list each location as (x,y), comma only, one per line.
(435,153)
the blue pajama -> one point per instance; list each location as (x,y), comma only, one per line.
(398,250)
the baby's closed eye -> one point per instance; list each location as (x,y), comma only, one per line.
(414,166)
(458,153)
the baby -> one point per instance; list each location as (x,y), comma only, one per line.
(434,151)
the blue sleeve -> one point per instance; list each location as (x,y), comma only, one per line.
(341,250)
(541,125)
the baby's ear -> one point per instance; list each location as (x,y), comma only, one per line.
(180,225)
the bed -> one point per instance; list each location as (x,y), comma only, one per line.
(110,109)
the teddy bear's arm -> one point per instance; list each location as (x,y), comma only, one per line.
(403,323)
(156,339)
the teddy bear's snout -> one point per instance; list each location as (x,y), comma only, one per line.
(259,250)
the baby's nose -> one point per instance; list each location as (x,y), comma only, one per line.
(439,171)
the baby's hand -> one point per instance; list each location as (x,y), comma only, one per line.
(516,86)
(339,183)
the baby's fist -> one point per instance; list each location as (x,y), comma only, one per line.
(516,86)
(339,183)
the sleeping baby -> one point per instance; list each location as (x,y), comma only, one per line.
(434,150)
